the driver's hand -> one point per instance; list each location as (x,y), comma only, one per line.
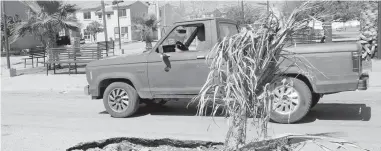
(178,50)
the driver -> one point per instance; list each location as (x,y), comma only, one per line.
(180,38)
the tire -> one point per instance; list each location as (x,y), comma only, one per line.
(298,89)
(315,99)
(120,109)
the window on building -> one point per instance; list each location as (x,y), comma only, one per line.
(108,16)
(116,30)
(86,34)
(87,15)
(124,30)
(100,16)
(122,12)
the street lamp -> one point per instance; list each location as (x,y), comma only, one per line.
(116,2)
(157,16)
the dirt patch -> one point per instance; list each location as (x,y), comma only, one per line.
(139,144)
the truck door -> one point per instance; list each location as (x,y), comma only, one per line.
(188,69)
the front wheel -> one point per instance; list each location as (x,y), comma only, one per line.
(120,100)
(292,101)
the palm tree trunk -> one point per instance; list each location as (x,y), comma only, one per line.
(51,43)
(236,135)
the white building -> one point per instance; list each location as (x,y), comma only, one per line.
(127,10)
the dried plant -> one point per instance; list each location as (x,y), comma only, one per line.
(291,142)
(244,73)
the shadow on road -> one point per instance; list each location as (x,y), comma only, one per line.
(322,111)
(338,111)
(173,108)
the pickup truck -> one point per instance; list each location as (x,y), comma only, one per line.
(123,82)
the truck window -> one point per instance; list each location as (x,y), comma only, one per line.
(227,29)
(192,37)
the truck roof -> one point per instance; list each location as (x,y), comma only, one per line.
(210,18)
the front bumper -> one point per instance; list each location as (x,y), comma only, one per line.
(363,82)
(86,90)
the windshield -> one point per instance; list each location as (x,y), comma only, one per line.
(227,29)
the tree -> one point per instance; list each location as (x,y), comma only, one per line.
(252,13)
(368,19)
(11,22)
(46,20)
(146,25)
(243,78)
(93,28)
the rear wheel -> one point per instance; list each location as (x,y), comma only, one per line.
(292,101)
(315,99)
(120,100)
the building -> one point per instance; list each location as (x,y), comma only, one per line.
(127,10)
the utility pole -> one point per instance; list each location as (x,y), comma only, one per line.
(6,34)
(243,13)
(104,24)
(158,18)
(164,22)
(120,38)
(117,7)
(379,31)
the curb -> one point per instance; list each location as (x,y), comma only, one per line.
(75,92)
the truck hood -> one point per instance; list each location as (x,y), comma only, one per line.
(122,59)
(324,47)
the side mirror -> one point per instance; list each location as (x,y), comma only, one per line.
(165,58)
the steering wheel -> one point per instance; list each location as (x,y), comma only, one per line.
(181,46)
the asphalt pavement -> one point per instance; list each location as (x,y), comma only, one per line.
(56,120)
(42,113)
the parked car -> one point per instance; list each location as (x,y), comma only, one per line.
(122,82)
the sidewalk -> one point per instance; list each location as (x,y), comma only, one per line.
(43,83)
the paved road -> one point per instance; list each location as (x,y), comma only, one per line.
(55,121)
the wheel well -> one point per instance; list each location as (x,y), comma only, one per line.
(106,82)
(303,78)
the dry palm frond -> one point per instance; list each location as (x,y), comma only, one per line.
(292,141)
(244,70)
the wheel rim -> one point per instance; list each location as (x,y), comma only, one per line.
(286,100)
(118,100)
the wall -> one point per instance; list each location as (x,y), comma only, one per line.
(28,41)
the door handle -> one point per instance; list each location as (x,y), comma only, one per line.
(200,57)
